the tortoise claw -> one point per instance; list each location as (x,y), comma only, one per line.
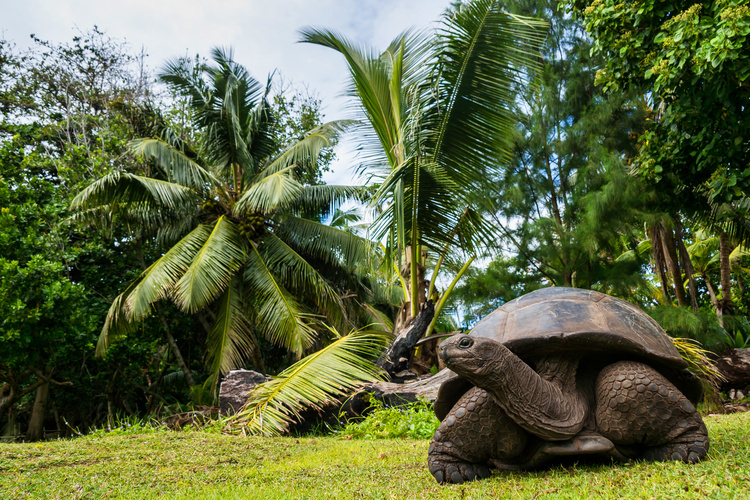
(457,472)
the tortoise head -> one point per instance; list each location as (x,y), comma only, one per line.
(471,357)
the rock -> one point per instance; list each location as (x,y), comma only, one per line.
(235,388)
(735,368)
(735,408)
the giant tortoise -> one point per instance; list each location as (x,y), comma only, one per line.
(563,371)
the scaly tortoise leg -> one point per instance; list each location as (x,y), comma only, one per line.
(474,431)
(637,406)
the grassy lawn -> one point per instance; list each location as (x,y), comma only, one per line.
(163,464)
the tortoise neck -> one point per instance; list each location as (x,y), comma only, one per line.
(560,369)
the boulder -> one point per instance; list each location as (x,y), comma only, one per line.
(734,366)
(235,388)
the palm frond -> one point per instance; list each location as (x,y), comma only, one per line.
(379,319)
(371,84)
(310,383)
(306,150)
(116,324)
(281,318)
(326,198)
(277,190)
(298,275)
(184,76)
(122,188)
(699,362)
(180,168)
(158,280)
(480,52)
(332,245)
(230,338)
(212,268)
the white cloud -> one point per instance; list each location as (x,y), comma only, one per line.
(263,33)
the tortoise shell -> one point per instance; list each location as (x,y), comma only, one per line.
(558,319)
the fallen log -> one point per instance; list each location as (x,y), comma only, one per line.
(734,366)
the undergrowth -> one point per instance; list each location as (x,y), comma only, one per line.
(414,421)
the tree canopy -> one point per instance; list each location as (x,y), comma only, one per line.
(693,61)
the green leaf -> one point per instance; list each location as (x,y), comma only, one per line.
(212,268)
(158,280)
(180,168)
(278,315)
(309,383)
(231,337)
(276,190)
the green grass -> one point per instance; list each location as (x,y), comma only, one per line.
(199,464)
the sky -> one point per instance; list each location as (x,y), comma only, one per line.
(263,34)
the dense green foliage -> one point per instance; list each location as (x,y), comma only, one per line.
(693,59)
(414,421)
(56,279)
(612,155)
(567,205)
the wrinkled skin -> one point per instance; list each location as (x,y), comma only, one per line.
(517,417)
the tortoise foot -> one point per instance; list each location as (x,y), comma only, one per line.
(473,433)
(692,448)
(446,471)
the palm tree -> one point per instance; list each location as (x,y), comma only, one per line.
(230,211)
(436,128)
(706,254)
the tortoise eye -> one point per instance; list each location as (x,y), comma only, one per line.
(465,342)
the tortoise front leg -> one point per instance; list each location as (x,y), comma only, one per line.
(475,431)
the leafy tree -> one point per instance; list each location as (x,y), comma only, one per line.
(55,130)
(435,116)
(567,205)
(238,250)
(295,112)
(693,62)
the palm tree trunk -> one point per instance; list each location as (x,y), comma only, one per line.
(687,265)
(714,299)
(673,264)
(725,270)
(657,258)
(416,285)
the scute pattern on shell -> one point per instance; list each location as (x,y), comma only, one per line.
(556,319)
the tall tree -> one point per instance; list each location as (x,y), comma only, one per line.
(229,210)
(55,129)
(567,204)
(436,116)
(692,60)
